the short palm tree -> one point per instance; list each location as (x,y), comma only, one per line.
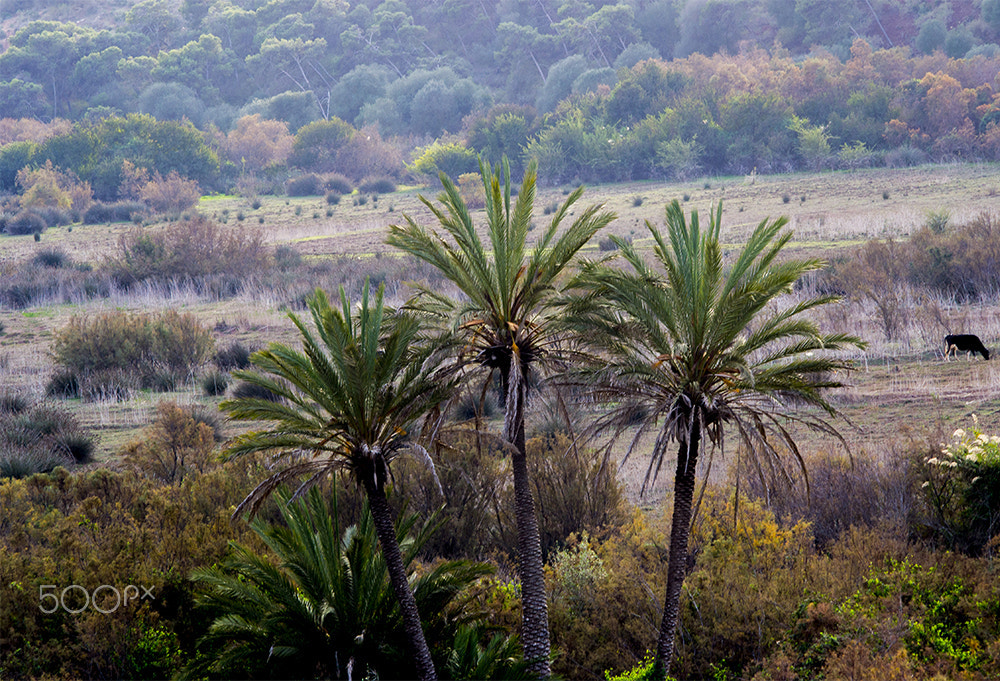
(503,324)
(346,403)
(693,347)
(326,608)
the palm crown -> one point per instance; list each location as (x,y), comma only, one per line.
(349,397)
(688,340)
(506,286)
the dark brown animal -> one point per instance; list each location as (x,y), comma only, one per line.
(964,342)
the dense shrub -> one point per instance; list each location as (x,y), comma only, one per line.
(51,257)
(305,185)
(214,383)
(173,446)
(961,490)
(172,194)
(50,187)
(574,493)
(118,211)
(449,158)
(25,222)
(905,156)
(957,260)
(31,283)
(471,189)
(53,215)
(13,403)
(341,184)
(63,384)
(377,185)
(842,492)
(199,251)
(236,355)
(113,352)
(109,528)
(245,389)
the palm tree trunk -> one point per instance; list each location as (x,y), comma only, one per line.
(680,531)
(534,600)
(386,531)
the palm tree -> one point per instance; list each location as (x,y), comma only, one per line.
(327,607)
(692,347)
(504,325)
(346,403)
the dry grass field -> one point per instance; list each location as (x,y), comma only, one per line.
(901,390)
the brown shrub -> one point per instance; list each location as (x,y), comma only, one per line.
(175,445)
(172,194)
(191,250)
(875,272)
(365,154)
(844,492)
(256,143)
(31,130)
(470,187)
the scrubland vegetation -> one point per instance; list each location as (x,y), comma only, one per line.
(176,177)
(116,362)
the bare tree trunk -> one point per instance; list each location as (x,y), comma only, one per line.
(534,600)
(386,531)
(680,531)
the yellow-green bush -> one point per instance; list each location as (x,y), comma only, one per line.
(114,352)
(116,529)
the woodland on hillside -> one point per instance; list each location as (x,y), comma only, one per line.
(595,93)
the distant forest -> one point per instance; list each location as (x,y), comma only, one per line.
(596,91)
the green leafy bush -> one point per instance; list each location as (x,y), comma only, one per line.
(961,488)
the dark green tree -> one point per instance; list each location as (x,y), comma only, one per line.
(696,348)
(503,326)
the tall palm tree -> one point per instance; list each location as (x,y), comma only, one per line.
(504,325)
(326,609)
(695,347)
(347,401)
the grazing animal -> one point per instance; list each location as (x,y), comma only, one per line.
(964,342)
